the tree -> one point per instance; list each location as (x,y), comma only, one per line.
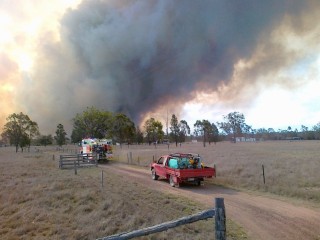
(184,130)
(153,130)
(213,133)
(123,128)
(262,133)
(33,131)
(272,134)
(198,129)
(19,129)
(290,133)
(92,123)
(179,130)
(174,128)
(139,135)
(60,135)
(234,124)
(247,130)
(203,128)
(45,140)
(316,129)
(308,134)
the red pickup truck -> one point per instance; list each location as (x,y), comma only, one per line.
(181,167)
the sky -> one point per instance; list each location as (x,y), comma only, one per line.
(195,59)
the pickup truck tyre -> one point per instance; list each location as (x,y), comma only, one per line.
(198,183)
(154,174)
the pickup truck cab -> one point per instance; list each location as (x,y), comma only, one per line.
(181,167)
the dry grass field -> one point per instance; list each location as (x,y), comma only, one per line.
(291,167)
(40,201)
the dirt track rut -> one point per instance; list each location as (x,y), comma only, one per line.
(261,217)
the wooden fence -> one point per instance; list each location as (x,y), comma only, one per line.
(74,161)
(219,224)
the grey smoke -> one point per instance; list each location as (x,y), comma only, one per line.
(133,56)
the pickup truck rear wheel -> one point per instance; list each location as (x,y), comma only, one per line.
(154,174)
(198,183)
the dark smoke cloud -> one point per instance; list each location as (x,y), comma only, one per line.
(134,56)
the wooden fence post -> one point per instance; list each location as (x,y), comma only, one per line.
(101,178)
(131,162)
(75,167)
(264,179)
(78,159)
(60,162)
(220,219)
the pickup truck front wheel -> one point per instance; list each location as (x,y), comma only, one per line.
(154,174)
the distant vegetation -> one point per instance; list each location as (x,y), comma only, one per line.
(21,131)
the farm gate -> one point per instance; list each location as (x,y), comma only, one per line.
(74,161)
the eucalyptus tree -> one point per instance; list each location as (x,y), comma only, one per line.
(123,129)
(316,130)
(184,130)
(262,133)
(174,128)
(203,129)
(139,136)
(179,130)
(153,130)
(20,129)
(213,133)
(60,135)
(234,124)
(45,140)
(92,123)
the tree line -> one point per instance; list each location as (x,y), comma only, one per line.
(20,131)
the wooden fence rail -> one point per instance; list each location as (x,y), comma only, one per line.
(218,212)
(70,161)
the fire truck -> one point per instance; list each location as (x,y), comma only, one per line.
(101,147)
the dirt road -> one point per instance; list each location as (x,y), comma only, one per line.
(261,217)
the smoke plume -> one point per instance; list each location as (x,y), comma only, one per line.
(137,56)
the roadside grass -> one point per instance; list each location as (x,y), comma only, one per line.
(291,168)
(40,201)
